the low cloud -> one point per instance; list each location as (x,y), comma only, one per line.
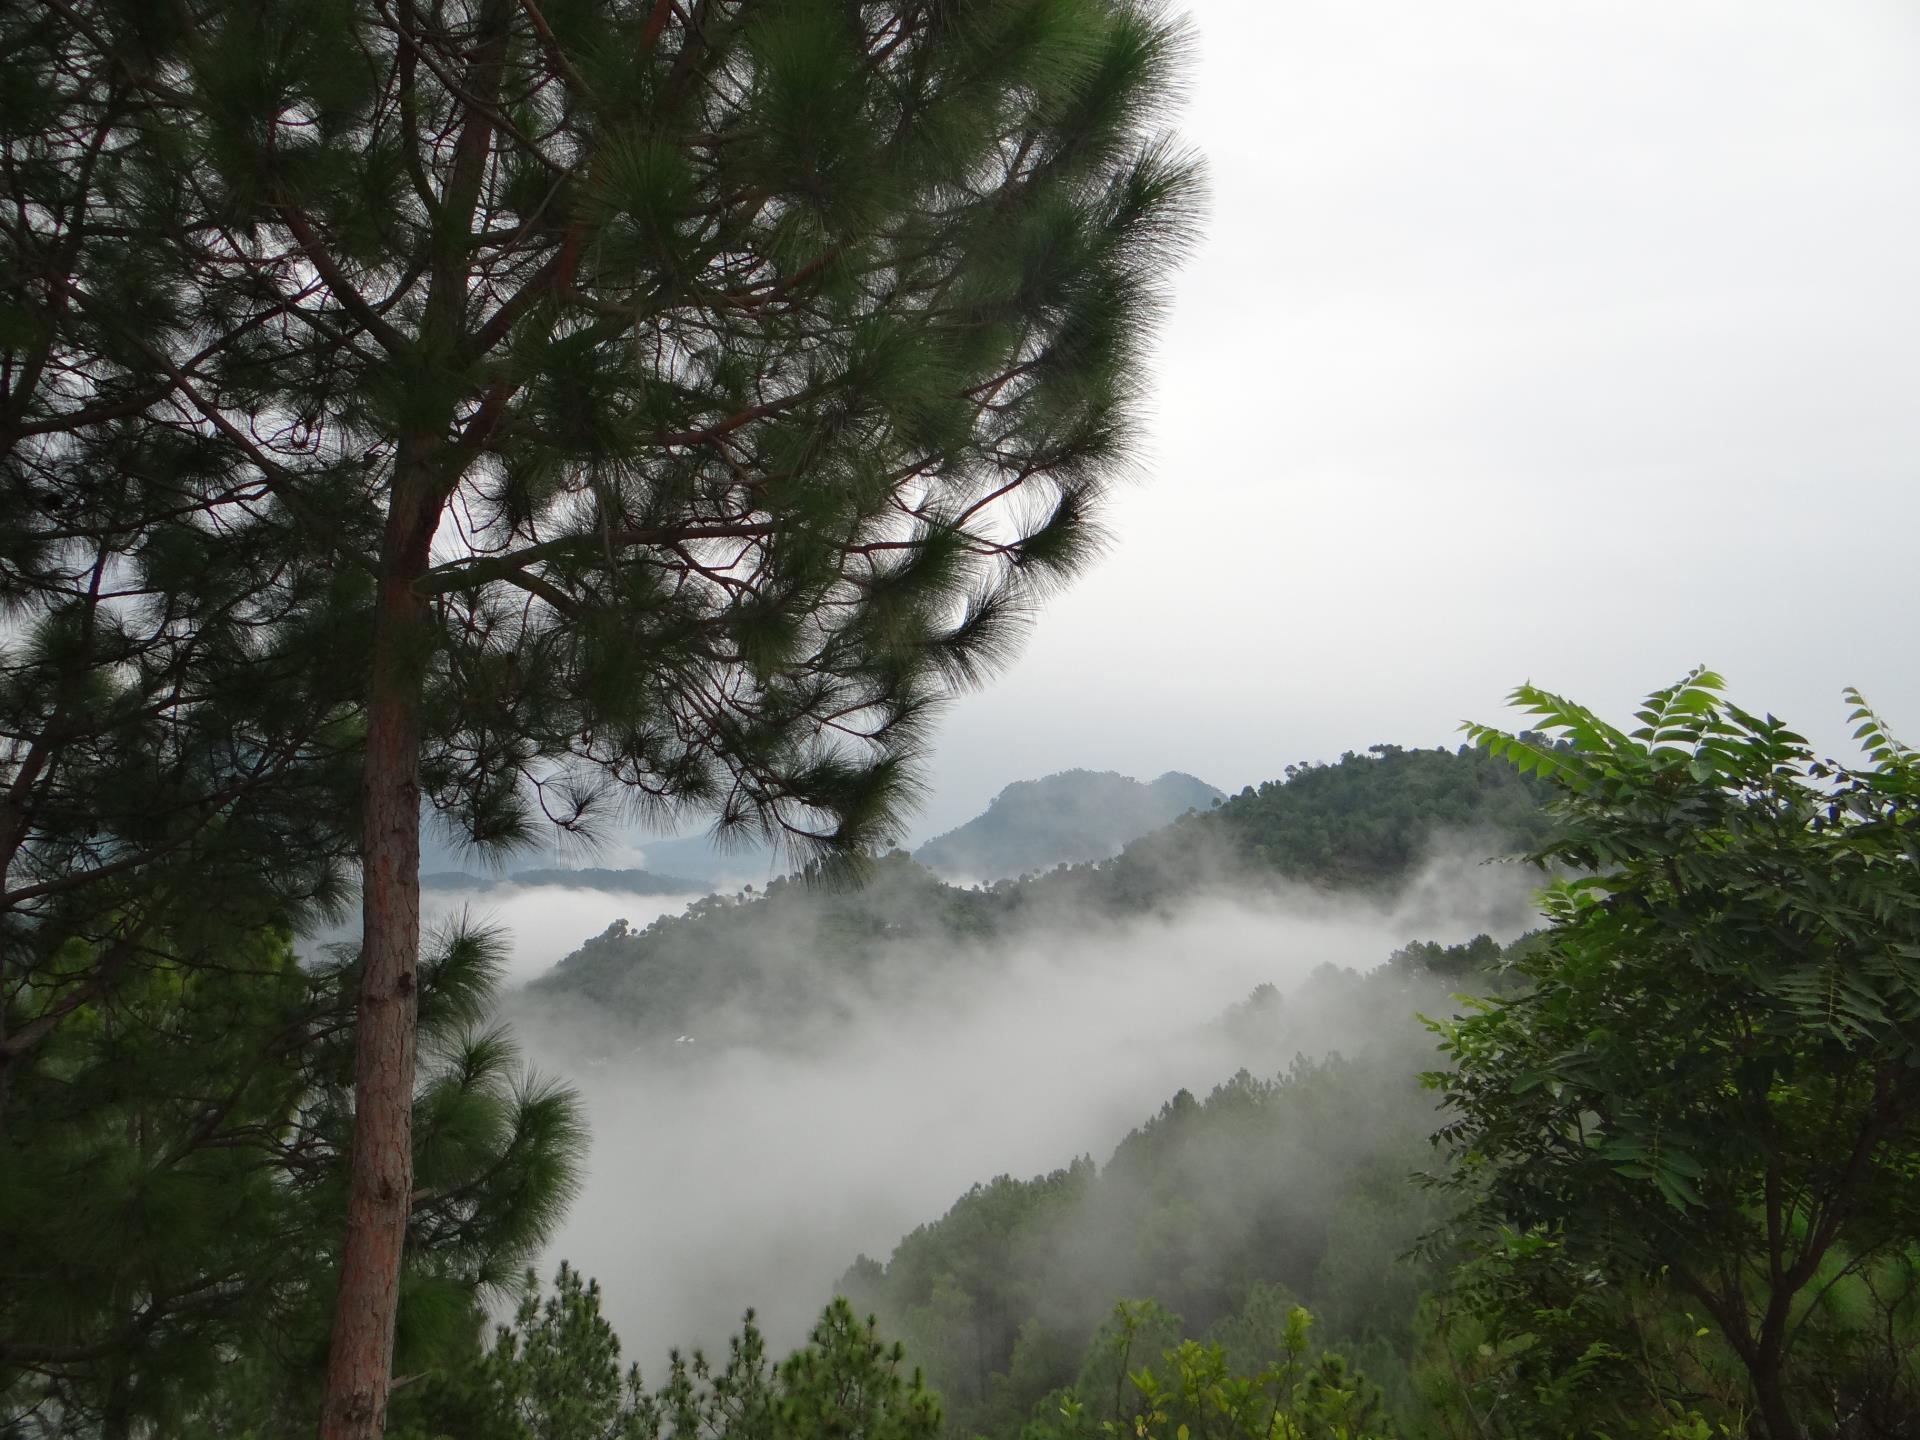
(543,923)
(725,1175)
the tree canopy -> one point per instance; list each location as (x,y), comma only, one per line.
(518,402)
(1711,1076)
(554,1374)
(172,1177)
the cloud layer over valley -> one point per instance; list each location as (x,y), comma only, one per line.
(728,1173)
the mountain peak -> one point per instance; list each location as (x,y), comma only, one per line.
(1066,818)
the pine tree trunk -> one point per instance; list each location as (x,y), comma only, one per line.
(360,1358)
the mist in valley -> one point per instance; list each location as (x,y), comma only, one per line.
(747,1160)
(542,923)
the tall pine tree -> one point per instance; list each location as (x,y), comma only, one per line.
(571,398)
(172,1176)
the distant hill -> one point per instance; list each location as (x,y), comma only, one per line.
(716,866)
(1064,819)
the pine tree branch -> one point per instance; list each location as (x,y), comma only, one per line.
(339,285)
(18,1042)
(469,573)
(552,594)
(71,420)
(721,428)
(656,22)
(21,392)
(553,278)
(281,480)
(556,56)
(454,88)
(460,196)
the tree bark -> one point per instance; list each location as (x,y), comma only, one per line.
(1767,1366)
(360,1356)
(1775,1414)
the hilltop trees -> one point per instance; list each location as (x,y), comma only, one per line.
(555,1375)
(1280,1391)
(507,401)
(1711,1081)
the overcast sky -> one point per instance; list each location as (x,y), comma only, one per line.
(1572,342)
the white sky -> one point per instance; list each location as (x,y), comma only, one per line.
(1550,340)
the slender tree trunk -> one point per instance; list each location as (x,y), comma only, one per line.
(1775,1414)
(360,1358)
(1767,1368)
(360,1361)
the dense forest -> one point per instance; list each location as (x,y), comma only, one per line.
(1363,825)
(1225,1211)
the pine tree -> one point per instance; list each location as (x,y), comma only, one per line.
(555,1375)
(669,399)
(177,750)
(171,1182)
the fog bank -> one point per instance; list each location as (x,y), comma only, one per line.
(543,923)
(723,1176)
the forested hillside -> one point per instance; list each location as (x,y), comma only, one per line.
(1224,1210)
(1643,1172)
(1362,825)
(1668,1190)
(1368,818)
(1650,1176)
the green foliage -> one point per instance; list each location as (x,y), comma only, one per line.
(1711,1082)
(1520,1343)
(1197,1392)
(555,1374)
(594,403)
(755,368)
(1223,1210)
(170,1189)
